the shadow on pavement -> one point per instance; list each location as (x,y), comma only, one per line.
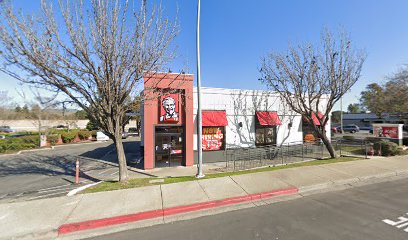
(134,155)
(41,165)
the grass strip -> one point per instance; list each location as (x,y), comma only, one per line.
(142,182)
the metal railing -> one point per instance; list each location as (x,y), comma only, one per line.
(272,155)
(356,147)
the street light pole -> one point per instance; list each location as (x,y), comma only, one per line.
(341,114)
(199,121)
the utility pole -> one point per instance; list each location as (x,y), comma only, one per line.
(199,121)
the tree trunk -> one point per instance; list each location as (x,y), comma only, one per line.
(123,174)
(328,144)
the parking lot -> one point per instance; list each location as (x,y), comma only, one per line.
(51,172)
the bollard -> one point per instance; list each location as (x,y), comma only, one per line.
(77,172)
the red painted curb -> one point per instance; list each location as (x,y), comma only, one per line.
(99,223)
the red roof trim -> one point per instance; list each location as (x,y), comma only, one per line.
(214,119)
(268,118)
(316,118)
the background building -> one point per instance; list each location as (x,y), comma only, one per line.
(367,119)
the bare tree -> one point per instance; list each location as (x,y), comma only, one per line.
(96,55)
(39,105)
(5,105)
(312,79)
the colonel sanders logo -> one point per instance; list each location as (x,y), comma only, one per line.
(170,113)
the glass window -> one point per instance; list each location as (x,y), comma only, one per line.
(265,135)
(309,134)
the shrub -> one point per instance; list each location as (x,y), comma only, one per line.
(67,137)
(53,139)
(386,148)
(19,143)
(93,134)
(84,134)
(35,139)
(91,126)
(349,138)
(373,139)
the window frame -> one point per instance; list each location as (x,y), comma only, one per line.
(265,130)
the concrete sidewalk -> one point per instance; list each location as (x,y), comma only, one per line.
(86,215)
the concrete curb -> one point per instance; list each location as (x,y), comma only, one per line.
(99,223)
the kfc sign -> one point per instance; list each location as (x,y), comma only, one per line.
(212,138)
(169,109)
(388,132)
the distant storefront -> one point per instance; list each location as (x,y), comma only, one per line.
(368,119)
(231,118)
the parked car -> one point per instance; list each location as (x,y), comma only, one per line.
(2,137)
(125,135)
(5,129)
(100,136)
(349,128)
(133,132)
(333,130)
(60,127)
(19,135)
(369,128)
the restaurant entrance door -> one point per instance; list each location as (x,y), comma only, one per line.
(169,146)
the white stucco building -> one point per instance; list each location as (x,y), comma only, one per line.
(242,108)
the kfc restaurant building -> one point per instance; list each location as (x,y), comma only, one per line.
(231,118)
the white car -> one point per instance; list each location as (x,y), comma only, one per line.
(100,136)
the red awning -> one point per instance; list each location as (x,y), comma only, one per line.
(316,118)
(268,118)
(214,119)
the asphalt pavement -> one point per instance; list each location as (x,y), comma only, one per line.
(51,172)
(87,215)
(377,211)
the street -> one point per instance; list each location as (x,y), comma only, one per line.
(377,211)
(51,173)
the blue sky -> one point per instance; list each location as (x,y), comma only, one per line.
(235,34)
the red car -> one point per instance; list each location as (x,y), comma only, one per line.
(334,130)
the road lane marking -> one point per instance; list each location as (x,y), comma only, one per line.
(401,222)
(114,173)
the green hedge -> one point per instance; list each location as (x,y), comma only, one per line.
(349,137)
(93,133)
(53,139)
(67,137)
(19,143)
(386,148)
(84,134)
